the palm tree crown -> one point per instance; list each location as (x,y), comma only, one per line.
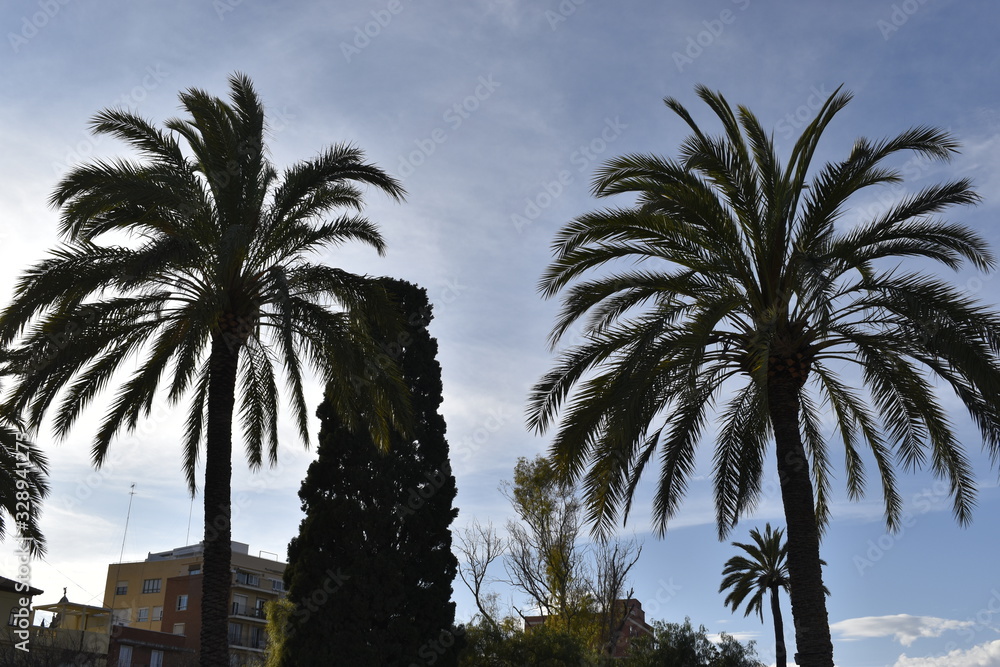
(749,282)
(192,265)
(763,568)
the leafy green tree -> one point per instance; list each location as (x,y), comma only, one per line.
(279,622)
(544,559)
(680,645)
(764,570)
(507,645)
(371,571)
(191,265)
(749,287)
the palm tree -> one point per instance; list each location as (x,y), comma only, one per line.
(189,269)
(763,570)
(731,275)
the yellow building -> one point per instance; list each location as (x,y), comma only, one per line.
(163,593)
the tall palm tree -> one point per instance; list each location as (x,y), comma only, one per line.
(763,570)
(731,279)
(191,266)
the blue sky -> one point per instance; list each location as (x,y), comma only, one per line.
(495,113)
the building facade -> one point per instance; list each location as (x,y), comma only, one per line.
(163,594)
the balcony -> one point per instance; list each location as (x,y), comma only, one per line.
(246,611)
(242,641)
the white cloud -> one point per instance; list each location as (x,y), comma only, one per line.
(984,655)
(904,628)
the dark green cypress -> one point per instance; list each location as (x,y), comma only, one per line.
(371,571)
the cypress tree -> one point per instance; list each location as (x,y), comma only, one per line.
(370,573)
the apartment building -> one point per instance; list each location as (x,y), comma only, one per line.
(163,593)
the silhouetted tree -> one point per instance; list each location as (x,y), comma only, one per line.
(371,571)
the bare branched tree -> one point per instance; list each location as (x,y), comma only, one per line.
(612,563)
(480,547)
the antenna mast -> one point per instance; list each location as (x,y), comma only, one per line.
(121,555)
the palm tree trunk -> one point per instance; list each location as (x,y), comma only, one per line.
(814,647)
(780,654)
(216,577)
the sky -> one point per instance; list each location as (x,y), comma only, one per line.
(495,114)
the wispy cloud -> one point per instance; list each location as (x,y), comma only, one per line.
(904,628)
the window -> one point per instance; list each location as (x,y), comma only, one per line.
(182,602)
(124,656)
(157,613)
(143,614)
(151,586)
(247,579)
(257,638)
(277,585)
(235,634)
(240,605)
(156,658)
(259,612)
(194,569)
(178,628)
(11,620)
(121,588)
(122,616)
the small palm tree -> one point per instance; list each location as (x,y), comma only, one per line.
(189,270)
(732,281)
(763,570)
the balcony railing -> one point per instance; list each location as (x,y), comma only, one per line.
(244,610)
(241,641)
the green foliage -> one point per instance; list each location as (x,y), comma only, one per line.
(680,645)
(544,558)
(370,572)
(279,617)
(671,645)
(509,646)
